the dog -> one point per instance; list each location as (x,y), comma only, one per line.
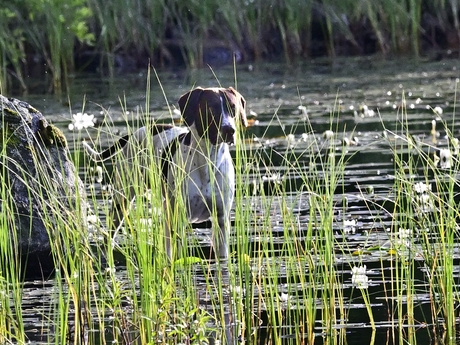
(194,161)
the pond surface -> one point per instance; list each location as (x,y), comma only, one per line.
(293,107)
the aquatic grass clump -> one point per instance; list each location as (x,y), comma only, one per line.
(294,263)
(40,170)
(425,205)
(289,278)
(11,275)
(285,280)
(166,306)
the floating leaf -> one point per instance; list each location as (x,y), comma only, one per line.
(361,252)
(189,260)
(392,252)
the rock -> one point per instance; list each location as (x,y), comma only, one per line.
(41,191)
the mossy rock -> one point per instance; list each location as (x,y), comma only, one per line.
(42,193)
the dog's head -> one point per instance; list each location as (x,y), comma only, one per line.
(213,112)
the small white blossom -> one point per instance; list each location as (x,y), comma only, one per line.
(421,188)
(422,200)
(438,110)
(304,137)
(303,109)
(81,121)
(359,277)
(290,138)
(403,238)
(349,226)
(238,290)
(284,297)
(365,111)
(274,177)
(445,159)
(110,270)
(92,219)
(328,134)
(97,173)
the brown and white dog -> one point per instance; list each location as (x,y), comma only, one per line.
(194,160)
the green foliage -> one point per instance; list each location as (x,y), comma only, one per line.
(48,28)
(53,29)
(11,47)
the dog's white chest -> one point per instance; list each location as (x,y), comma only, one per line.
(207,181)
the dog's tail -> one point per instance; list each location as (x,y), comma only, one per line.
(107,153)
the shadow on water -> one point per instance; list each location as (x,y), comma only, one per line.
(294,108)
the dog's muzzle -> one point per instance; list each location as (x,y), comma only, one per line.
(228,134)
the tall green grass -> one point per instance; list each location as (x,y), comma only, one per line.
(11,275)
(429,218)
(122,287)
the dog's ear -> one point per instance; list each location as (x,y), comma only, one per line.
(188,104)
(240,107)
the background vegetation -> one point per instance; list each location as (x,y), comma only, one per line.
(58,37)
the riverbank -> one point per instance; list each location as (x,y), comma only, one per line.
(57,38)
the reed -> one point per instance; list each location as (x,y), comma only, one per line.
(424,211)
(53,31)
(439,238)
(11,275)
(283,269)
(12,51)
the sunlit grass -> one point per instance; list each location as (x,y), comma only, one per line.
(285,278)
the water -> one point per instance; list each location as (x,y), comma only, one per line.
(300,101)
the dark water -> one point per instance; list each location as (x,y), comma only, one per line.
(293,107)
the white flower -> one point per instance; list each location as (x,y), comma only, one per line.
(290,138)
(404,233)
(445,159)
(303,109)
(403,238)
(97,173)
(359,277)
(365,111)
(421,188)
(80,121)
(274,177)
(284,297)
(422,200)
(423,203)
(328,134)
(304,136)
(349,226)
(238,290)
(92,219)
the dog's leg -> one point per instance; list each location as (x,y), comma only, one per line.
(168,231)
(223,234)
(170,224)
(223,218)
(225,189)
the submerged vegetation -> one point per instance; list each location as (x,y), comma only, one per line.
(59,37)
